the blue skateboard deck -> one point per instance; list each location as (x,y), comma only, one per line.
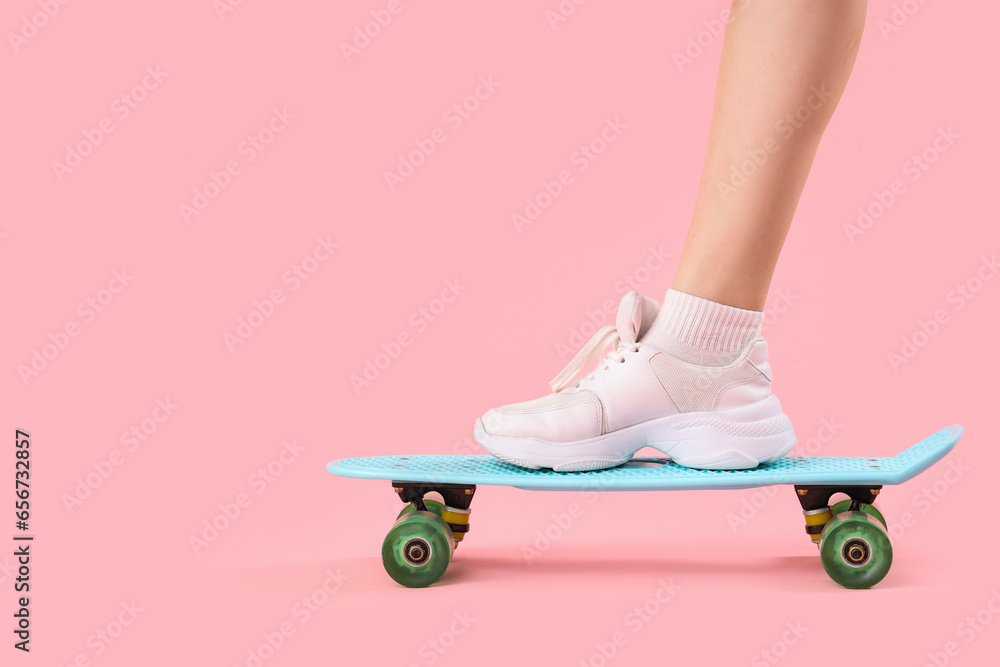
(650,474)
(852,534)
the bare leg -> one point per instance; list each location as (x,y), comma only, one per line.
(780,57)
(669,383)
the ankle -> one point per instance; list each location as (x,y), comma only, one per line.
(702,332)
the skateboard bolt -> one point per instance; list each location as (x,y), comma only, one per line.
(856,552)
(416,551)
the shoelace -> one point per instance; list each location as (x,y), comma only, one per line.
(605,336)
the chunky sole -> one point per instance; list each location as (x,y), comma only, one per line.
(734,439)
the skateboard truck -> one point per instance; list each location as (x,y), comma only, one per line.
(457,500)
(815,501)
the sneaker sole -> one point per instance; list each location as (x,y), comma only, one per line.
(735,439)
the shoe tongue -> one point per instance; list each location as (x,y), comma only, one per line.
(635,315)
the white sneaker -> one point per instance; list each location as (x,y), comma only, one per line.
(716,418)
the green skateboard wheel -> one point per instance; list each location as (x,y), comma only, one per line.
(843,505)
(418,548)
(432,506)
(855,550)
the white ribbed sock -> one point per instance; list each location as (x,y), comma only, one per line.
(700,331)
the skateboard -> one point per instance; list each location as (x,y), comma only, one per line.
(852,535)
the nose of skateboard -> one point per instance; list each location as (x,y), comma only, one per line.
(955,430)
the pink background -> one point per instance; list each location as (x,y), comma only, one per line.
(162,336)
